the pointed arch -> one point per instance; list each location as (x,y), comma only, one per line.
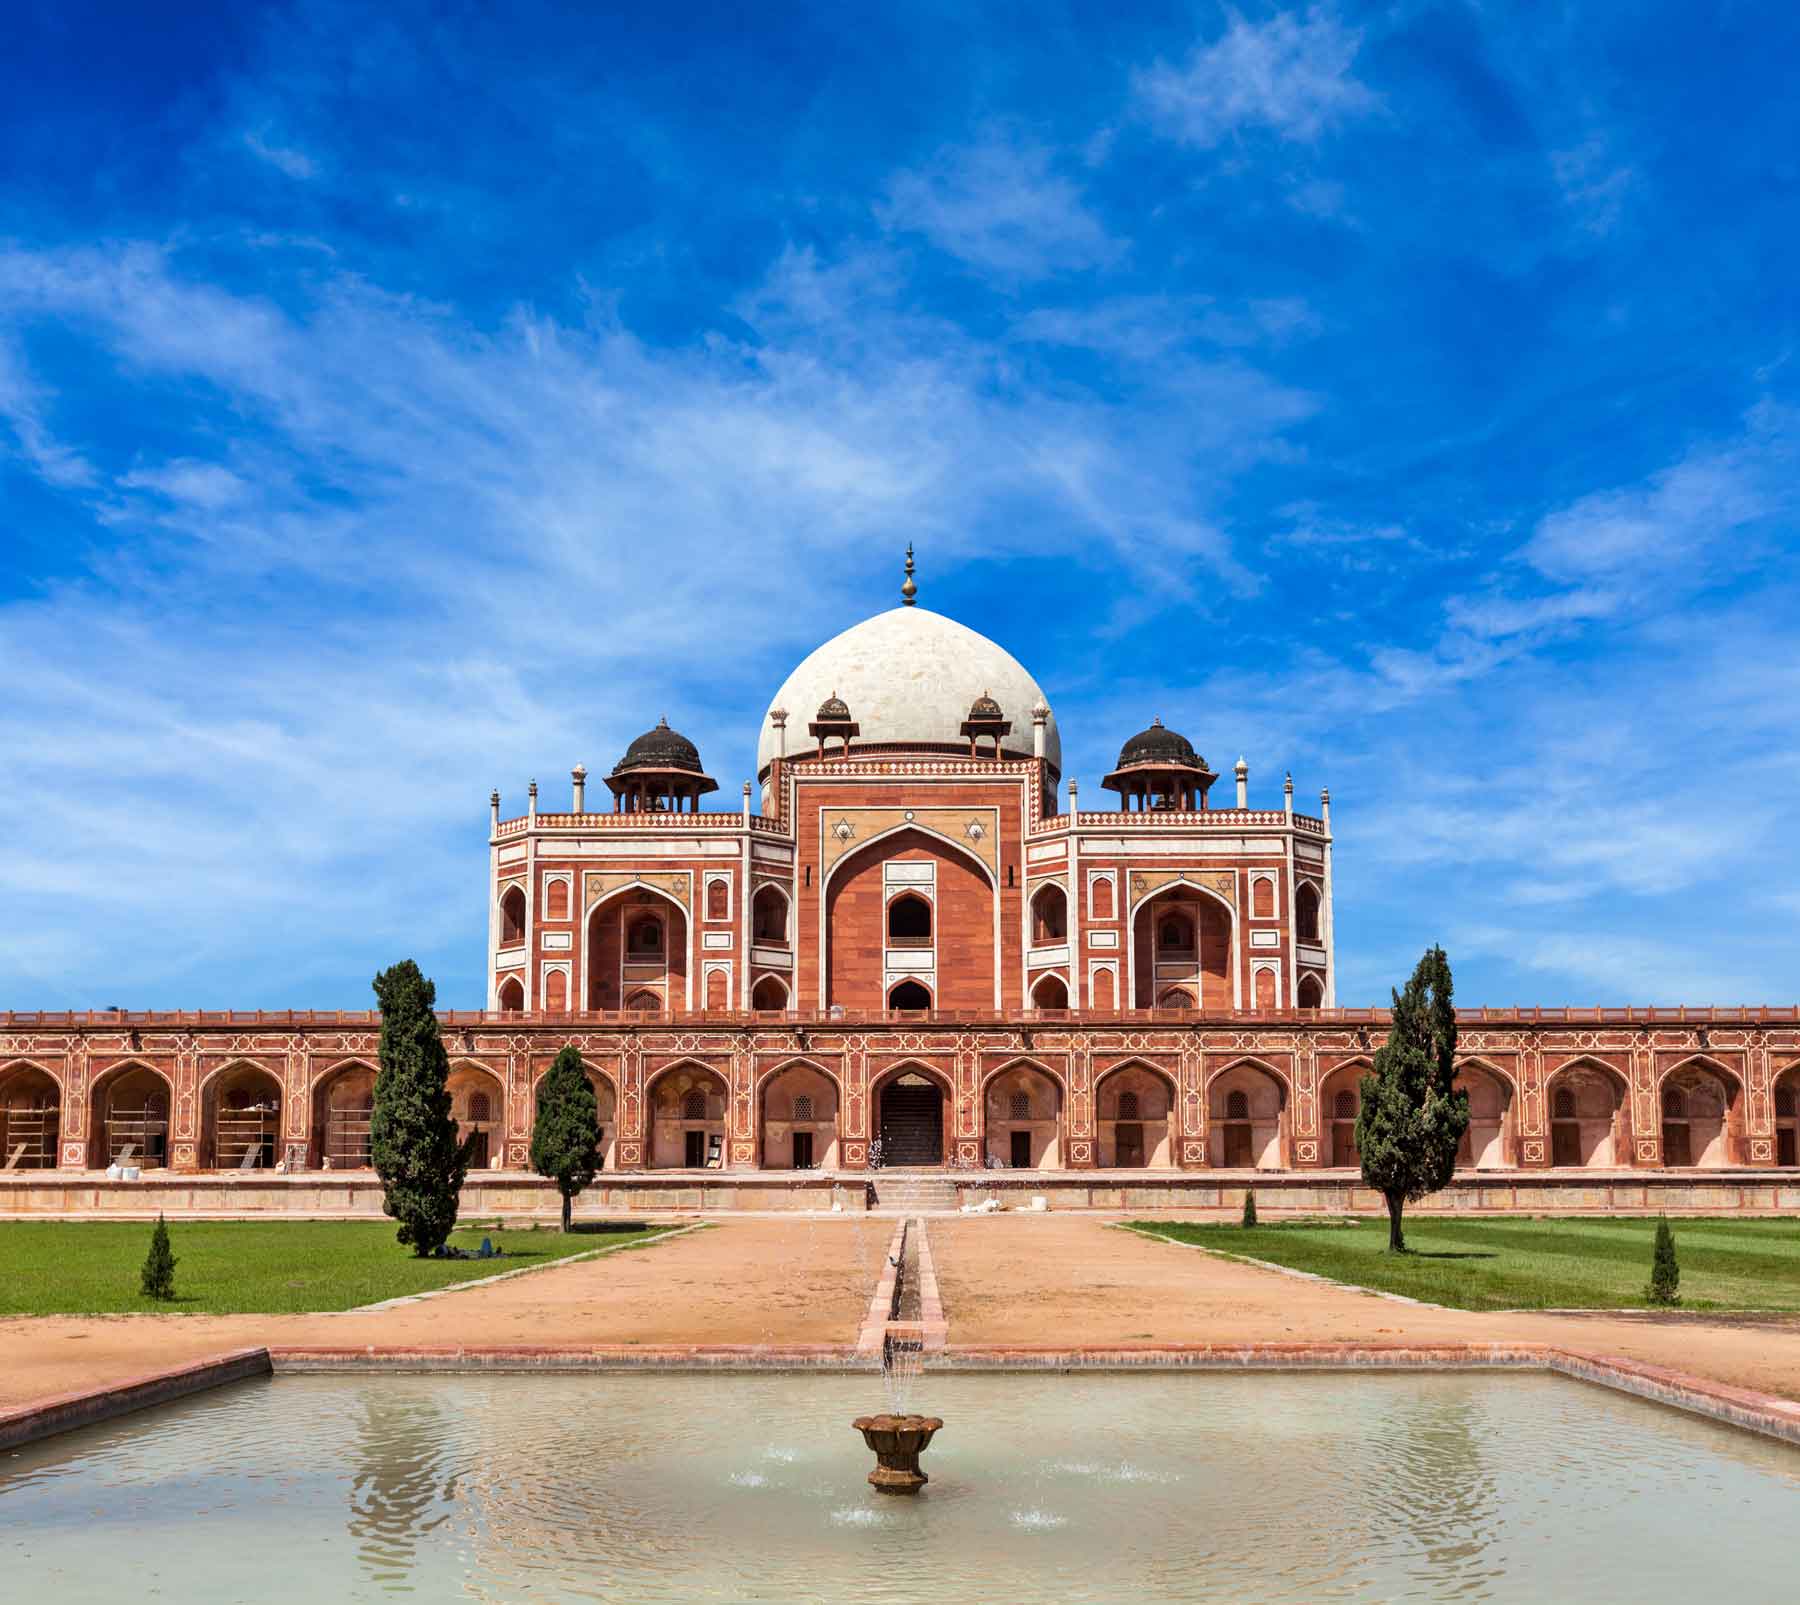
(1207,897)
(31,1097)
(343,1097)
(770,994)
(688,1103)
(1050,991)
(1704,1125)
(129,1105)
(240,1116)
(1247,1115)
(1021,1110)
(673,953)
(1134,1116)
(1588,1106)
(913,1125)
(961,848)
(797,1106)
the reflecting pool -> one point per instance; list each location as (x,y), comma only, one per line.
(1053,1488)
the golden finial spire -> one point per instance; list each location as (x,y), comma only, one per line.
(908,591)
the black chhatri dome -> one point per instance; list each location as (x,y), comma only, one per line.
(661,748)
(833,707)
(1160,746)
(985,707)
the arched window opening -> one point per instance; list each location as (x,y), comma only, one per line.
(1175,998)
(909,995)
(769,993)
(909,921)
(1176,934)
(645,937)
(645,1002)
(556,900)
(1306,912)
(1312,992)
(1050,993)
(512,917)
(512,995)
(1049,916)
(769,917)
(718,900)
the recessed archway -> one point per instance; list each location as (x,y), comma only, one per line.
(1023,1110)
(30,1118)
(1340,1102)
(342,1104)
(1182,939)
(1487,1144)
(129,1118)
(769,994)
(240,1119)
(769,917)
(1586,1102)
(1050,992)
(512,995)
(606,1119)
(1698,1103)
(636,941)
(912,1118)
(478,1106)
(688,1104)
(1247,1112)
(1049,916)
(1312,992)
(1134,1107)
(1787,1116)
(909,995)
(799,1119)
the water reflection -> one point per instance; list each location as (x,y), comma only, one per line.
(404,1480)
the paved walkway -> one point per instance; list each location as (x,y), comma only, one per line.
(775,1281)
(1053,1279)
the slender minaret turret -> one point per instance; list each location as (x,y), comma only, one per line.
(1242,772)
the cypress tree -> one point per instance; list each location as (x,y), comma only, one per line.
(1665,1274)
(1413,1117)
(565,1136)
(412,1138)
(157,1279)
(1249,1208)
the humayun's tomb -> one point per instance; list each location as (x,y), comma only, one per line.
(905,952)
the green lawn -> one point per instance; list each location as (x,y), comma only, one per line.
(255,1267)
(1517,1264)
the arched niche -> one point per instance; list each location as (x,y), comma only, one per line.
(912,1104)
(478,1106)
(512,916)
(512,995)
(1022,1110)
(1340,1102)
(769,917)
(1585,1102)
(799,1128)
(240,1119)
(1247,1118)
(1134,1108)
(1050,991)
(1306,913)
(1787,1115)
(911,995)
(343,1101)
(1312,992)
(688,1105)
(637,942)
(1487,1144)
(129,1118)
(1181,940)
(30,1118)
(769,994)
(1702,1121)
(1049,915)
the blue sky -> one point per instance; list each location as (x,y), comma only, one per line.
(399,403)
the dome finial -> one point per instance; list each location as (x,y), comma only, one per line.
(908,591)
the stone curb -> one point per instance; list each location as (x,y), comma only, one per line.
(27,1423)
(881,1302)
(644,1241)
(934,1325)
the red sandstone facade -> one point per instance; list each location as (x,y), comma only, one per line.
(910,956)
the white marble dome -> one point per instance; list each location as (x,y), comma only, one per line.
(909,675)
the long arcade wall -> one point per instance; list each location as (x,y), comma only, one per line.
(1244,1091)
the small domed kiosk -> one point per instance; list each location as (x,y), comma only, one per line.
(1159,769)
(660,773)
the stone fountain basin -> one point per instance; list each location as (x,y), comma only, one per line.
(898,1441)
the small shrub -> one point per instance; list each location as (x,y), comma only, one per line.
(1665,1272)
(157,1279)
(1249,1208)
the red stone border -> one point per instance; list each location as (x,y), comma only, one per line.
(1745,1408)
(934,1326)
(47,1417)
(881,1301)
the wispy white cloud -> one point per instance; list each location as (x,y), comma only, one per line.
(288,159)
(1595,187)
(22,411)
(1001,206)
(1291,75)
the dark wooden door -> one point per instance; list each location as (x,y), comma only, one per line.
(912,1123)
(1128,1145)
(1021,1150)
(803,1150)
(1565,1143)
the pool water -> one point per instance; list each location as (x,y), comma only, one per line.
(1044,1488)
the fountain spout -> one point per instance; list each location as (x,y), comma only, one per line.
(898,1441)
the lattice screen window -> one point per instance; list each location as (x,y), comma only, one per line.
(1128,1106)
(693,1106)
(803,1106)
(1237,1106)
(1563,1105)
(1021,1106)
(1346,1106)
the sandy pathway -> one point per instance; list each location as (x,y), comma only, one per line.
(748,1281)
(1067,1278)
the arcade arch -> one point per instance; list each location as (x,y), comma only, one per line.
(1787,1116)
(1023,1110)
(477,1105)
(1698,1105)
(1487,1143)
(240,1119)
(799,1119)
(912,1107)
(1181,939)
(1586,1102)
(1340,1102)
(30,1118)
(129,1118)
(343,1100)
(1133,1110)
(637,941)
(688,1104)
(1247,1113)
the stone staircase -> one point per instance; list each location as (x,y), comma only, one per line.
(913,1192)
